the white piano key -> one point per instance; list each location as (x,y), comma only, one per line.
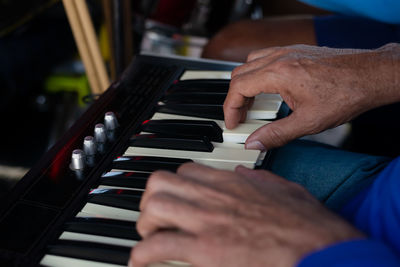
(260,110)
(205,74)
(97,239)
(261,157)
(218,154)
(229,145)
(263,109)
(61,261)
(102,211)
(166,116)
(269,97)
(230,166)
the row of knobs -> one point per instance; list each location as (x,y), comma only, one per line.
(91,143)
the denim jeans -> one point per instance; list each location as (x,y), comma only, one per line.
(332,175)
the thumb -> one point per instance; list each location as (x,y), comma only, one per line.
(277,133)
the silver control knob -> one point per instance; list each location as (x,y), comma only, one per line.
(89,146)
(100,133)
(110,121)
(78,160)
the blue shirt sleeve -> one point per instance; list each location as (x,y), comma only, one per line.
(355,253)
(376,212)
(381,10)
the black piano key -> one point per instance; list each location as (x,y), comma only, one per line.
(200,143)
(148,164)
(127,179)
(91,251)
(188,128)
(118,198)
(214,112)
(104,227)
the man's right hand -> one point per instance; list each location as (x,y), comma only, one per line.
(324,87)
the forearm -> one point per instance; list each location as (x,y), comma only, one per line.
(361,79)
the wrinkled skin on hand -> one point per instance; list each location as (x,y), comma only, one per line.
(324,87)
(209,217)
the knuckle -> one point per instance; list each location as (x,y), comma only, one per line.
(302,62)
(142,226)
(238,70)
(285,64)
(157,175)
(155,202)
(140,222)
(255,54)
(215,174)
(282,50)
(185,167)
(291,61)
(154,180)
(281,63)
(295,63)
(235,83)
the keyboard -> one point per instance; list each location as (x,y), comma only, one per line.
(78,206)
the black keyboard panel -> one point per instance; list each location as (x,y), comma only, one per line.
(51,190)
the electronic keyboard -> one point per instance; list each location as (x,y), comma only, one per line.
(78,206)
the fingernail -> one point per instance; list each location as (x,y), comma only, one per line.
(256,145)
(130,264)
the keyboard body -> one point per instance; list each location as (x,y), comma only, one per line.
(34,213)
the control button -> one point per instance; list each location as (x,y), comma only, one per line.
(110,121)
(89,146)
(100,133)
(78,160)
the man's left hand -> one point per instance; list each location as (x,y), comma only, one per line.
(209,217)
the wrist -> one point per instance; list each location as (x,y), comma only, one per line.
(385,67)
(393,54)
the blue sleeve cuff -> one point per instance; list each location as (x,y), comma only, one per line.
(356,253)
